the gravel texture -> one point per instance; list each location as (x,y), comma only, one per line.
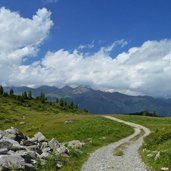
(104,160)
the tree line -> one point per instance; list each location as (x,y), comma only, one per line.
(42,97)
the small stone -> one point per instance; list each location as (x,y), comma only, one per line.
(44,155)
(150,155)
(164,168)
(40,137)
(68,122)
(61,150)
(59,164)
(33,161)
(54,144)
(47,149)
(157,156)
(75,144)
(44,145)
(22,123)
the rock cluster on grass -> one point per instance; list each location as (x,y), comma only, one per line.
(17,151)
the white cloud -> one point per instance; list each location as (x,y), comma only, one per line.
(141,70)
(20,37)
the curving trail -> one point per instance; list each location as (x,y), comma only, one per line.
(104,160)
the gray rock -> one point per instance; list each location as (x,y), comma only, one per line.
(10,152)
(12,130)
(61,150)
(28,142)
(33,139)
(34,148)
(44,155)
(47,149)
(10,144)
(11,162)
(54,144)
(25,155)
(157,156)
(3,151)
(59,164)
(75,144)
(29,167)
(44,145)
(14,133)
(40,137)
(5,144)
(32,154)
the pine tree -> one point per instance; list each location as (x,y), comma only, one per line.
(57,100)
(71,105)
(11,92)
(24,95)
(1,90)
(62,102)
(43,98)
(30,95)
(5,94)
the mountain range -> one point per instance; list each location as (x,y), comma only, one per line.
(99,102)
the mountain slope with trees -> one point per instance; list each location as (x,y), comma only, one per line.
(100,102)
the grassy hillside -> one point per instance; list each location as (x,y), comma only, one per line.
(32,116)
(158,141)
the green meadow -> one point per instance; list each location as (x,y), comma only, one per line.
(159,141)
(32,116)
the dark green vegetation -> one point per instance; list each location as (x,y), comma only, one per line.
(145,113)
(33,115)
(159,141)
(104,102)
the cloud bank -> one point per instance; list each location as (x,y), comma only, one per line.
(143,70)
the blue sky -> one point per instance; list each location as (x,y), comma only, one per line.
(111,45)
(83,21)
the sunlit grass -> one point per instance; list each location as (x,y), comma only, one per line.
(158,141)
(95,131)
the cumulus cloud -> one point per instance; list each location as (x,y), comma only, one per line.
(20,37)
(141,70)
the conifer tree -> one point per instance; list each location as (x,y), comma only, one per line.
(43,98)
(30,95)
(1,90)
(11,92)
(71,105)
(62,102)
(24,95)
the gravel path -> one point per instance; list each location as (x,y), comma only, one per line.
(104,160)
